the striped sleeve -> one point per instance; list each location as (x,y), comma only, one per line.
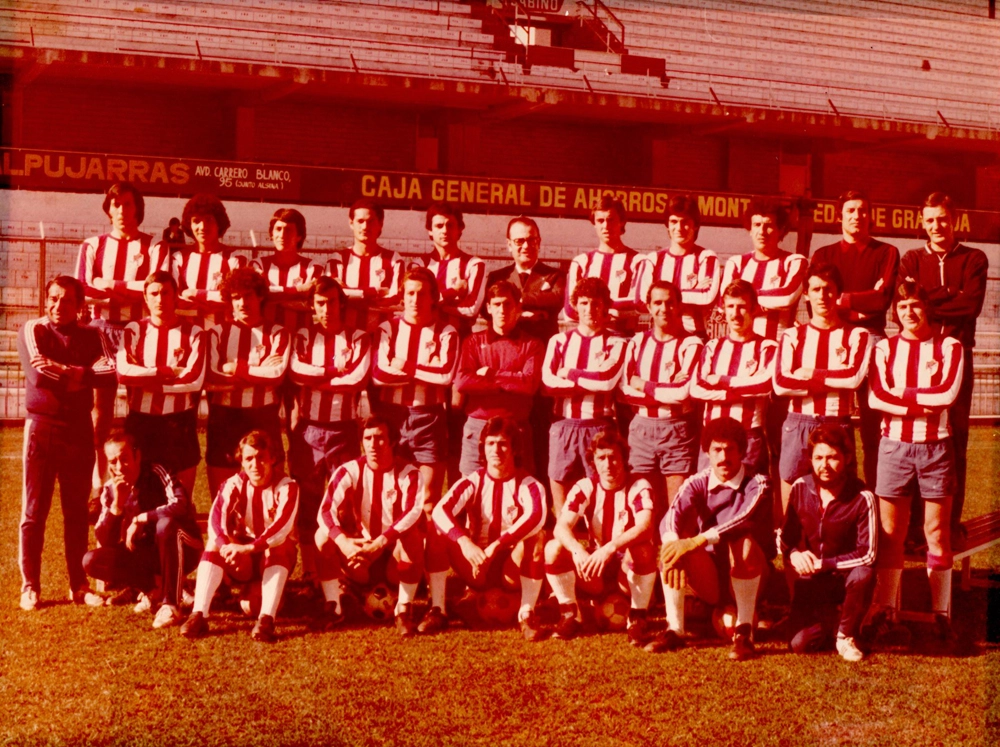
(553,383)
(383,374)
(178,504)
(341,485)
(640,497)
(748,499)
(709,278)
(454,503)
(531,497)
(279,343)
(603,378)
(192,375)
(411,486)
(284,522)
(943,394)
(882,395)
(218,518)
(786,294)
(867,533)
(859,350)
(441,373)
(576,272)
(678,390)
(784,384)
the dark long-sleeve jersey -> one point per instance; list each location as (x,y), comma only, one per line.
(156,493)
(869,275)
(515,374)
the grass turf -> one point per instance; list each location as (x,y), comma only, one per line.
(73,675)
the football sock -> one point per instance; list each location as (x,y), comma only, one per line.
(563,586)
(674,599)
(530,589)
(331,591)
(640,586)
(436,581)
(271,586)
(407,592)
(887,586)
(209,577)
(745,591)
(940,591)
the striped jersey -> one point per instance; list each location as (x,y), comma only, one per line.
(381,271)
(666,367)
(618,270)
(203,273)
(608,513)
(361,502)
(696,274)
(718,510)
(293,311)
(265,515)
(734,379)
(254,383)
(486,510)
(429,355)
(331,369)
(778,283)
(594,364)
(145,350)
(459,308)
(126,262)
(838,359)
(913,383)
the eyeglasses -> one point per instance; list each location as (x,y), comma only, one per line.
(530,240)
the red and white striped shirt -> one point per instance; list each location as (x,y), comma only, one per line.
(666,367)
(381,271)
(461,309)
(332,369)
(203,273)
(292,312)
(360,502)
(741,372)
(253,384)
(145,350)
(696,274)
(618,270)
(487,510)
(778,283)
(838,359)
(609,514)
(429,355)
(127,264)
(913,383)
(242,512)
(594,364)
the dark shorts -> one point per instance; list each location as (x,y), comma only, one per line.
(228,425)
(795,459)
(568,442)
(170,440)
(931,466)
(423,431)
(756,459)
(111,331)
(661,445)
(314,452)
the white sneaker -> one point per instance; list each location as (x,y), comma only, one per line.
(848,650)
(187,598)
(145,604)
(29,600)
(166,616)
(87,597)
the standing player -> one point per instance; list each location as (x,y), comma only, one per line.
(330,363)
(373,504)
(370,275)
(735,372)
(722,511)
(63,363)
(112,269)
(581,371)
(619,516)
(659,366)
(819,366)
(492,517)
(868,268)
(289,275)
(954,276)
(916,379)
(162,363)
(612,263)
(499,372)
(696,271)
(251,536)
(247,361)
(830,540)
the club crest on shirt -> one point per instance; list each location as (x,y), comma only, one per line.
(621,274)
(137,258)
(216,277)
(180,353)
(272,510)
(841,354)
(380,274)
(932,366)
(692,279)
(774,281)
(622,515)
(751,365)
(511,512)
(391,494)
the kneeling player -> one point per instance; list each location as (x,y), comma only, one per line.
(503,508)
(251,535)
(372,503)
(829,539)
(619,518)
(722,509)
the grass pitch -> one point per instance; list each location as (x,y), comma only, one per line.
(73,675)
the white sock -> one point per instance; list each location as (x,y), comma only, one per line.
(437,584)
(640,588)
(530,589)
(271,586)
(407,592)
(563,586)
(745,591)
(209,577)
(887,587)
(674,599)
(331,591)
(940,591)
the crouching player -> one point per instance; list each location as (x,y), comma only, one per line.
(373,504)
(251,536)
(491,520)
(829,539)
(619,517)
(721,513)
